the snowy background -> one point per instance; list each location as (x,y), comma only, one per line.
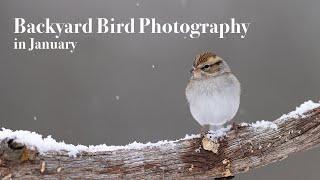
(121,88)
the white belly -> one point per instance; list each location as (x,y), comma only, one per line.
(214,101)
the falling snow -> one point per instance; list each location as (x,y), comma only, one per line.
(139,3)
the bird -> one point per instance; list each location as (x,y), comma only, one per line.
(213,92)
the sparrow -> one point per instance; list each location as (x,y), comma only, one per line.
(213,92)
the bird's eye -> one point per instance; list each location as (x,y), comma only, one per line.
(205,67)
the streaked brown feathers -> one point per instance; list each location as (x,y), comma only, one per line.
(203,57)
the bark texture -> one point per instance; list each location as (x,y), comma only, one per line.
(243,148)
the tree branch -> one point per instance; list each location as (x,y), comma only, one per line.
(242,148)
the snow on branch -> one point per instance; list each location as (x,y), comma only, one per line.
(42,145)
(222,153)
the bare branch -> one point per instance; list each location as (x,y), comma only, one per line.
(243,148)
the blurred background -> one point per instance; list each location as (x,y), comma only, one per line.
(116,89)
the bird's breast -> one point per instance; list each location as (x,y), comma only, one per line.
(214,101)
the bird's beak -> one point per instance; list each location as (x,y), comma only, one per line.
(196,72)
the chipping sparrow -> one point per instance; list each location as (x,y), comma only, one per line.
(213,92)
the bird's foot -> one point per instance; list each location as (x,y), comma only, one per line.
(204,130)
(234,126)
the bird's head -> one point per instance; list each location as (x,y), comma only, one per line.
(208,65)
